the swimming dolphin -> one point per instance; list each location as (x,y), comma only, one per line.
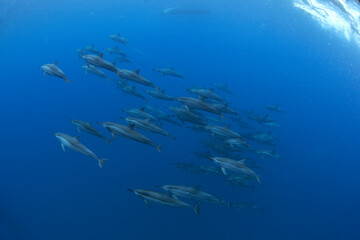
(205,93)
(53,70)
(92,49)
(156,112)
(99,61)
(87,127)
(223,87)
(192,192)
(193,103)
(168,71)
(162,198)
(116,50)
(266,153)
(122,59)
(274,108)
(118,38)
(224,108)
(220,131)
(128,89)
(147,125)
(74,144)
(128,132)
(185,115)
(235,166)
(140,113)
(134,76)
(160,94)
(94,70)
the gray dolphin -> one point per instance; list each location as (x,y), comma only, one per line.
(118,38)
(128,132)
(147,125)
(156,112)
(74,144)
(53,70)
(162,198)
(274,108)
(160,94)
(116,50)
(235,166)
(99,61)
(200,104)
(92,49)
(128,89)
(205,93)
(224,108)
(140,113)
(220,131)
(87,127)
(168,71)
(192,192)
(223,87)
(134,76)
(94,70)
(185,115)
(266,153)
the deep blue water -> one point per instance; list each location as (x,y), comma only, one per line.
(268,52)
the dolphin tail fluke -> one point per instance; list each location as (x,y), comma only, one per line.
(108,141)
(258,179)
(197,209)
(101,162)
(67,80)
(159,148)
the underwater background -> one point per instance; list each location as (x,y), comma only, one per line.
(267,52)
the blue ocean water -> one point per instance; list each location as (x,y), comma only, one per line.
(267,52)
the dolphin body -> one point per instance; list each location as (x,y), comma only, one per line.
(168,71)
(134,76)
(266,153)
(274,108)
(223,87)
(128,132)
(118,38)
(74,144)
(191,192)
(235,166)
(140,113)
(116,50)
(53,70)
(238,143)
(224,108)
(99,62)
(160,94)
(205,93)
(147,125)
(185,115)
(87,127)
(92,49)
(122,59)
(225,132)
(128,89)
(162,198)
(94,70)
(160,115)
(193,103)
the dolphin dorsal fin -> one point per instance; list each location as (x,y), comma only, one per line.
(77,138)
(142,109)
(163,91)
(55,62)
(242,161)
(101,55)
(137,71)
(132,126)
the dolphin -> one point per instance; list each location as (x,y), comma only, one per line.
(224,108)
(220,131)
(168,71)
(235,166)
(74,144)
(147,125)
(266,153)
(160,94)
(185,115)
(223,87)
(118,38)
(92,49)
(116,50)
(162,198)
(140,113)
(128,132)
(192,192)
(53,70)
(87,127)
(237,143)
(205,93)
(156,112)
(94,70)
(80,52)
(193,103)
(128,89)
(99,62)
(134,76)
(274,108)
(122,59)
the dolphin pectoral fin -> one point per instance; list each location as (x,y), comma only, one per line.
(63,147)
(223,171)
(159,147)
(147,203)
(113,136)
(197,209)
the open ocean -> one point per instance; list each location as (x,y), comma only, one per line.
(289,69)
